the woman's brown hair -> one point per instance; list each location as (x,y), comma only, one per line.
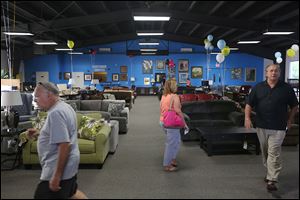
(170,87)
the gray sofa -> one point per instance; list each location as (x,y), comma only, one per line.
(102,106)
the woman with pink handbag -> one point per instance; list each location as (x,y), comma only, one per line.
(171,118)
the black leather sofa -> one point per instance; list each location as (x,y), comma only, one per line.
(213,113)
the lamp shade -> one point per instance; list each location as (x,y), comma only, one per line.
(132,79)
(95,81)
(11,98)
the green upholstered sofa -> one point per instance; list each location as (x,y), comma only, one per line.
(91,152)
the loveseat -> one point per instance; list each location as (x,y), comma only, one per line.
(91,151)
(103,107)
(211,113)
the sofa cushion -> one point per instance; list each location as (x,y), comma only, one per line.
(39,121)
(106,102)
(89,128)
(115,109)
(90,105)
(86,146)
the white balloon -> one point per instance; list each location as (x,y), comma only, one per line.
(295,47)
(279,60)
(220,57)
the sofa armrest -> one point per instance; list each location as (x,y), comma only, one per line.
(106,115)
(237,118)
(125,113)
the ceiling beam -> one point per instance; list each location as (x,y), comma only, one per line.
(108,39)
(272,8)
(188,10)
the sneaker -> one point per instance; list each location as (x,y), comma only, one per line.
(271,186)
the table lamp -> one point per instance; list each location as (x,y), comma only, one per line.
(9,99)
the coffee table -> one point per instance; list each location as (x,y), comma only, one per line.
(213,139)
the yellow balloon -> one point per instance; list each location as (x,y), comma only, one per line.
(206,41)
(290,53)
(70,44)
(225,51)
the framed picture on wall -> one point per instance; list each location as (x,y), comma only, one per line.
(123,77)
(115,77)
(236,73)
(67,75)
(147,67)
(250,74)
(87,77)
(159,76)
(197,72)
(123,69)
(182,77)
(183,65)
(160,65)
(146,80)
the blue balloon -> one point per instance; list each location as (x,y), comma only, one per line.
(277,54)
(211,47)
(210,38)
(221,44)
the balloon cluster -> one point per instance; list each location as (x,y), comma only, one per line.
(291,52)
(278,57)
(207,43)
(225,50)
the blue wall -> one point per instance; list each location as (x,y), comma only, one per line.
(60,62)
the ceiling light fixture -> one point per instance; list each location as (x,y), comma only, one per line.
(60,49)
(151,18)
(17,33)
(278,33)
(148,53)
(75,53)
(149,43)
(149,34)
(234,49)
(45,43)
(148,49)
(249,42)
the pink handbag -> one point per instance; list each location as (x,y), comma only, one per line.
(171,119)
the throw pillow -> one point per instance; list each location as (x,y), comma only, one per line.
(115,108)
(89,128)
(39,121)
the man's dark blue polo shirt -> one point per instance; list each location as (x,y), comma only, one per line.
(271,104)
